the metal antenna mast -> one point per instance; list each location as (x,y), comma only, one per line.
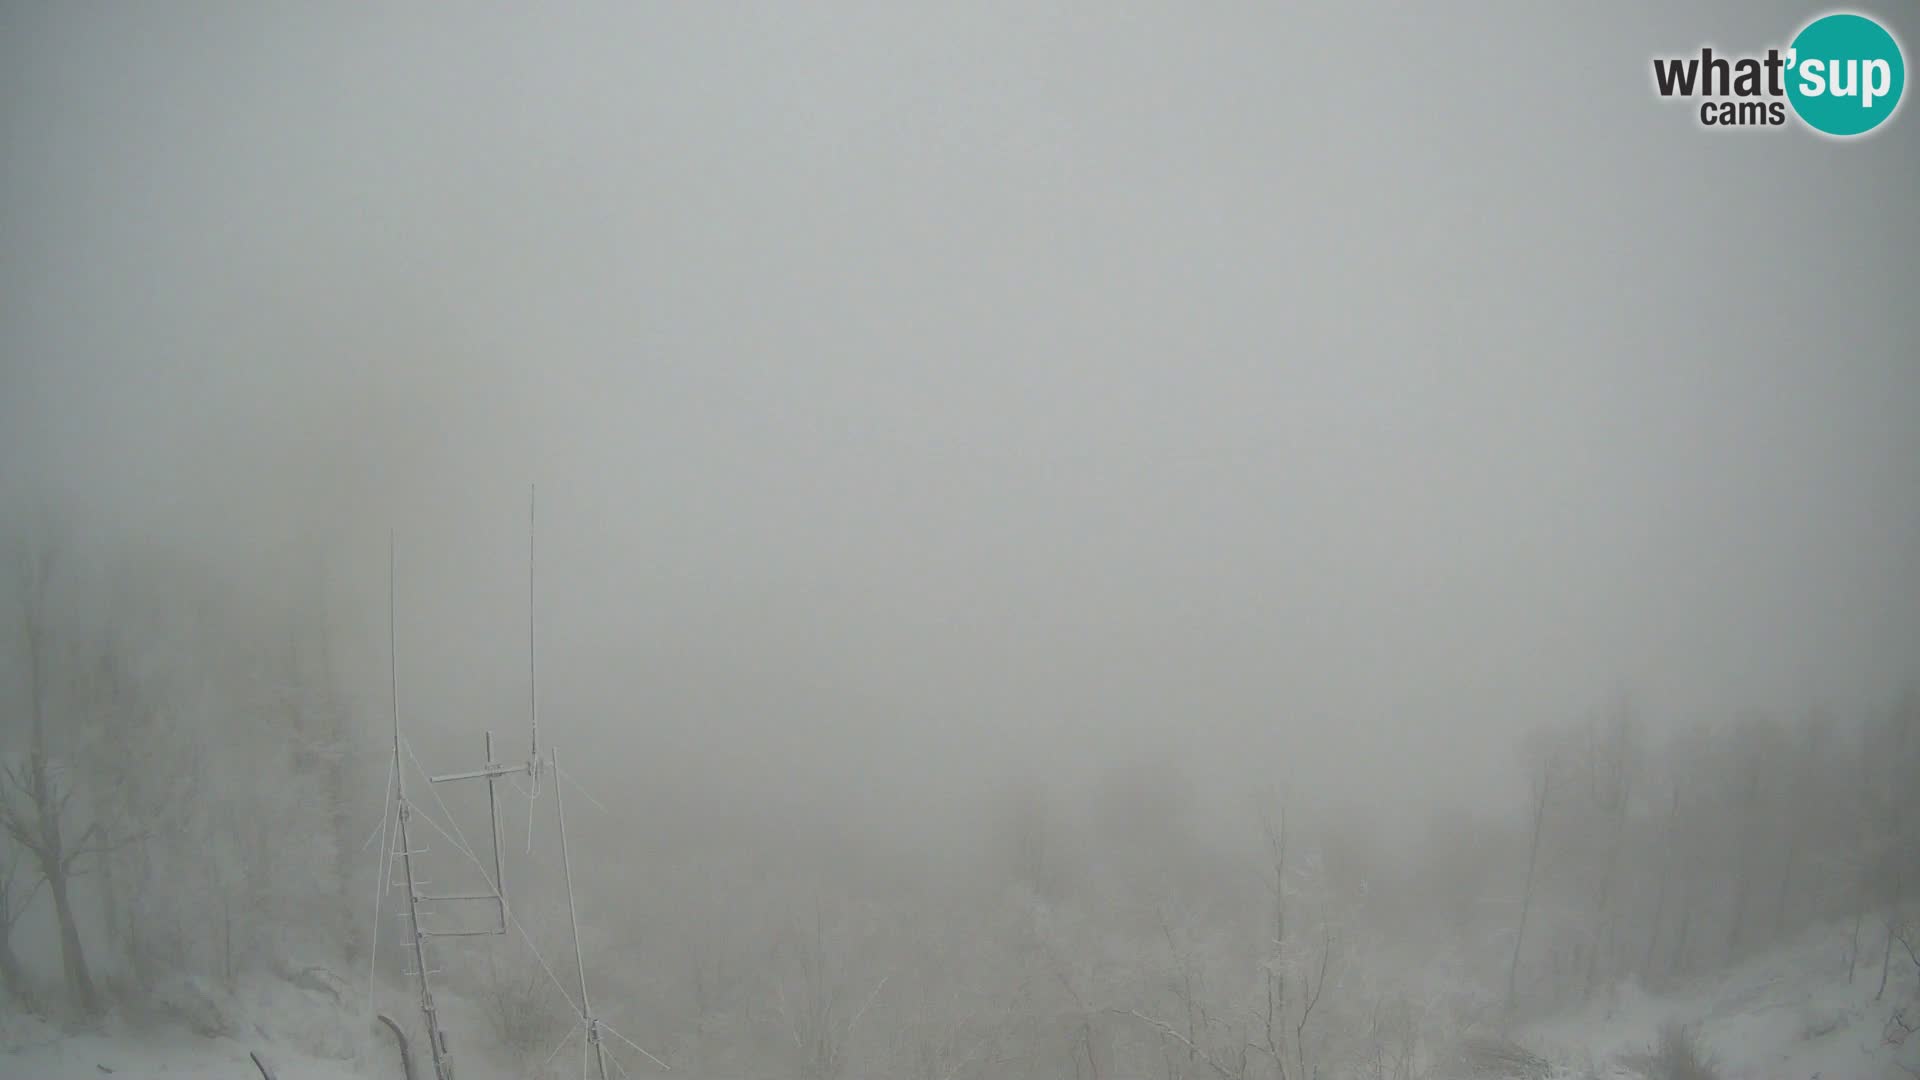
(436,1038)
(493,771)
(594,1045)
(533,683)
(595,1050)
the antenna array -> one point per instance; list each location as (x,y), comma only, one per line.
(492,772)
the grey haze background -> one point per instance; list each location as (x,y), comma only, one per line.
(923,396)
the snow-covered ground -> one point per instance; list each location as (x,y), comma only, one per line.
(303,1032)
(40,1053)
(1789,1014)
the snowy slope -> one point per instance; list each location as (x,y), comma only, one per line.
(45,1055)
(302,1033)
(1790,1014)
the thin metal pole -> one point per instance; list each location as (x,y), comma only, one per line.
(442,1068)
(383,867)
(499,860)
(533,692)
(533,682)
(566,868)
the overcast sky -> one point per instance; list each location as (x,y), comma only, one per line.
(925,393)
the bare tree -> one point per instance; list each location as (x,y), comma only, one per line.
(1311,991)
(1614,763)
(1666,871)
(822,1013)
(15,899)
(1226,1067)
(521,1006)
(1893,755)
(1198,1038)
(34,794)
(1275,829)
(1803,776)
(1540,791)
(1745,817)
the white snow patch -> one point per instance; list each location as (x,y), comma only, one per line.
(1790,1014)
(304,1034)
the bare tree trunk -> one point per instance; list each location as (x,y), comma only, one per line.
(331,725)
(1801,789)
(13,977)
(1679,963)
(1743,878)
(1526,897)
(72,961)
(1653,935)
(55,860)
(1853,952)
(1309,997)
(1893,912)
(1786,883)
(1276,975)
(226,938)
(109,903)
(142,960)
(41,834)
(1666,879)
(1886,960)
(1603,906)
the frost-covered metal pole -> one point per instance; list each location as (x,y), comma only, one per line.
(566,868)
(493,816)
(533,685)
(533,681)
(436,1039)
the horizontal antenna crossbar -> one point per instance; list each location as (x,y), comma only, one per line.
(488,773)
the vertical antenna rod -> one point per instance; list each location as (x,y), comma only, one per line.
(436,1039)
(566,868)
(533,682)
(493,814)
(533,691)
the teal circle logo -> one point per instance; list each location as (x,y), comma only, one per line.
(1845,74)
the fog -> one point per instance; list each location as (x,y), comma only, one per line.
(925,405)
